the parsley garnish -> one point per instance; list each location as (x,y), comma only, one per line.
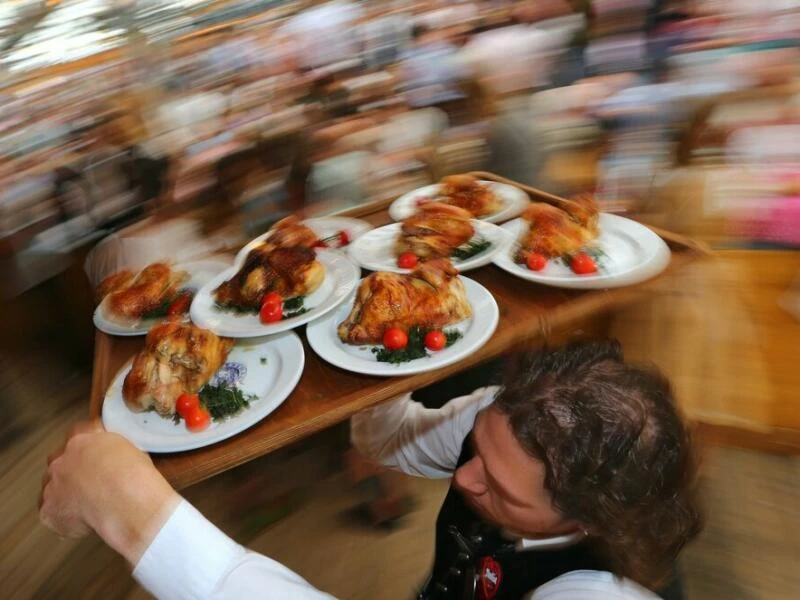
(292,307)
(473,247)
(415,348)
(160,311)
(223,401)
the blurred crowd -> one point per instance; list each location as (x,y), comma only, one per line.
(686,111)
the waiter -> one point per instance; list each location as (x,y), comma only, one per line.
(573,480)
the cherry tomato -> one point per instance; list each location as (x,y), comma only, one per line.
(272,298)
(197,419)
(435,340)
(187,403)
(583,264)
(180,305)
(270,313)
(536,262)
(407,260)
(395,339)
(319,244)
(344,238)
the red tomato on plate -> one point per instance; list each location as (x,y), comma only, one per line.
(180,305)
(197,419)
(536,262)
(344,238)
(270,313)
(435,340)
(583,264)
(186,403)
(272,298)
(395,339)
(407,260)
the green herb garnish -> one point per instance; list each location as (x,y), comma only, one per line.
(236,309)
(415,348)
(223,401)
(596,253)
(473,247)
(292,307)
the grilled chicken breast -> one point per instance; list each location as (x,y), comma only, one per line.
(554,232)
(133,297)
(431,296)
(435,230)
(470,194)
(177,358)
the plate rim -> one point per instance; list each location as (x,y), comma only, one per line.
(482,262)
(327,257)
(100,322)
(388,370)
(652,266)
(495,218)
(288,337)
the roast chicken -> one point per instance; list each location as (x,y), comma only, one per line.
(133,297)
(177,358)
(470,194)
(285,263)
(289,232)
(554,232)
(435,230)
(432,296)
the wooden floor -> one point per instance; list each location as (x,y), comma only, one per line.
(717,334)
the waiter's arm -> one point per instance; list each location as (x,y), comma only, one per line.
(404,435)
(100,482)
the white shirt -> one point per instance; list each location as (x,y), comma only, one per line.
(403,434)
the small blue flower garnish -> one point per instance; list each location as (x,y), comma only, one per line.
(229,374)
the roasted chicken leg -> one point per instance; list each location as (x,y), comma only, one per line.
(134,297)
(432,296)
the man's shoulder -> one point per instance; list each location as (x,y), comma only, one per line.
(591,585)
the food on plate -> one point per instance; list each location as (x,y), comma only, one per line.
(464,191)
(290,232)
(407,260)
(284,263)
(432,296)
(554,232)
(434,231)
(153,288)
(416,345)
(177,358)
(583,264)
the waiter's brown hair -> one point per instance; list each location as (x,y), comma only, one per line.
(617,455)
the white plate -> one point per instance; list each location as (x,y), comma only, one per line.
(375,250)
(271,382)
(514,202)
(324,340)
(324,227)
(633,253)
(341,277)
(200,273)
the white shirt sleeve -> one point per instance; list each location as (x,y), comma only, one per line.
(405,435)
(590,585)
(191,559)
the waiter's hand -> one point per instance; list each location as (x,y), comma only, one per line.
(99,481)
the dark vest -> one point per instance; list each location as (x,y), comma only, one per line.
(474,559)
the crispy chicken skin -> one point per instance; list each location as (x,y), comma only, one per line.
(431,296)
(114,282)
(553,232)
(177,358)
(470,194)
(293,271)
(285,263)
(145,292)
(290,232)
(435,230)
